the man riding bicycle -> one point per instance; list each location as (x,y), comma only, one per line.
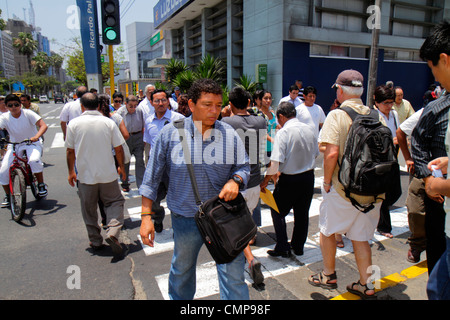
(22,124)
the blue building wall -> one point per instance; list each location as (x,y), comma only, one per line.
(321,73)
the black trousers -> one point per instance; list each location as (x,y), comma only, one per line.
(293,192)
(435,232)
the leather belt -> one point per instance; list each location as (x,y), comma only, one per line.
(135,133)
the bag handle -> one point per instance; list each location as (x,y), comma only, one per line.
(179,124)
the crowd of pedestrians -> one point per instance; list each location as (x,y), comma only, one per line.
(243,148)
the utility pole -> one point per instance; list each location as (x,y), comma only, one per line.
(111,70)
(374,23)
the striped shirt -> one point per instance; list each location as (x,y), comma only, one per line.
(428,137)
(215,159)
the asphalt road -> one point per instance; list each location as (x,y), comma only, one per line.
(47,256)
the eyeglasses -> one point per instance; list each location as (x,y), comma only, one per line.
(10,105)
(117,101)
(160,101)
(390,103)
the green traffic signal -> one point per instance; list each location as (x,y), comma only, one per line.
(110,34)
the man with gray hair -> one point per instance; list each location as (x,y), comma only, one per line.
(337,214)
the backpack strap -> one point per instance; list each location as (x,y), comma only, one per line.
(353,114)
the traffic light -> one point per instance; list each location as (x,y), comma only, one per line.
(110,22)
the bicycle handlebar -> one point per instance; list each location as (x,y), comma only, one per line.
(27,141)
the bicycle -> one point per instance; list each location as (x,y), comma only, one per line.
(20,177)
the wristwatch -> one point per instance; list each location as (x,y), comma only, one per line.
(238,180)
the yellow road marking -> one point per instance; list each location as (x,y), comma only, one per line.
(391,280)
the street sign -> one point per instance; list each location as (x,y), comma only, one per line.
(157,38)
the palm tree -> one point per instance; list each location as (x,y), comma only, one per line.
(175,67)
(246,82)
(56,61)
(211,68)
(41,63)
(26,45)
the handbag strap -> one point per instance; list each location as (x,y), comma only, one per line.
(179,124)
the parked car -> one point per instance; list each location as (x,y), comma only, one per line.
(43,99)
(59,98)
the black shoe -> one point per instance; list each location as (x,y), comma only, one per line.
(158,227)
(297,252)
(115,246)
(283,254)
(6,202)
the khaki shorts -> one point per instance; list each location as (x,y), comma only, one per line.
(337,215)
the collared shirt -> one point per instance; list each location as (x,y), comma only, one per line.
(404,110)
(146,107)
(70,111)
(215,160)
(392,122)
(295,147)
(133,121)
(153,125)
(296,102)
(428,137)
(92,135)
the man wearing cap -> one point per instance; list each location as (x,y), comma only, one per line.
(337,214)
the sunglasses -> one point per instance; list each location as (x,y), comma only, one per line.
(10,105)
(118,101)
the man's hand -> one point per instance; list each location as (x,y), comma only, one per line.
(429,190)
(72,178)
(147,231)
(229,191)
(440,163)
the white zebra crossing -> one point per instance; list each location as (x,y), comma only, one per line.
(207,282)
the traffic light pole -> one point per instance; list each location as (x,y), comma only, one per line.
(111,70)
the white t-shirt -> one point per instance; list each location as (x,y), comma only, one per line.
(70,111)
(21,128)
(147,108)
(313,114)
(409,124)
(92,135)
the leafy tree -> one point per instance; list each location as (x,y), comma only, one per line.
(76,67)
(175,67)
(26,45)
(41,63)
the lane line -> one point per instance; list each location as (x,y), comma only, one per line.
(391,280)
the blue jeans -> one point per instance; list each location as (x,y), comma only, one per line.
(438,287)
(182,276)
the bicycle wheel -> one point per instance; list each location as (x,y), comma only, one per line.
(18,195)
(35,190)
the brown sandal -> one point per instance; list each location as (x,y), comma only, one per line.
(322,280)
(361,291)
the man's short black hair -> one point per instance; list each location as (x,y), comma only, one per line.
(286,109)
(12,97)
(293,87)
(308,90)
(437,42)
(239,97)
(203,86)
(89,101)
(26,96)
(159,91)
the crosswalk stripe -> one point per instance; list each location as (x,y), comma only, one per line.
(207,282)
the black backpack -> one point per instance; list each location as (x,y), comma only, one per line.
(369,165)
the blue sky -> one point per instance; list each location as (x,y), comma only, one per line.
(51,16)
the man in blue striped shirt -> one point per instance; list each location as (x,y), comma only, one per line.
(221,167)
